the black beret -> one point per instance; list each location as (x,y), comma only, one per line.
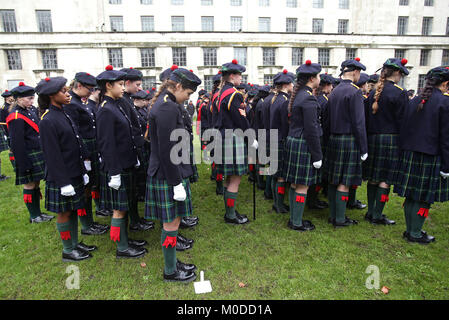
(284,77)
(132,74)
(233,67)
(326,79)
(111,75)
(150,93)
(140,95)
(308,68)
(265,89)
(254,91)
(50,86)
(186,77)
(351,65)
(86,79)
(363,79)
(6,94)
(336,81)
(397,64)
(167,72)
(207,95)
(202,92)
(374,78)
(217,77)
(22,91)
(439,73)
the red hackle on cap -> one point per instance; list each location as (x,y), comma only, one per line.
(308,62)
(219,72)
(404,62)
(47,79)
(21,84)
(234,61)
(357,59)
(154,89)
(109,68)
(191,70)
(423,101)
(174,67)
(88,74)
(148,91)
(285,71)
(131,67)
(6,90)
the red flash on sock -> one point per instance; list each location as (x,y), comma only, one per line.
(115,233)
(213,165)
(169,241)
(423,212)
(219,177)
(230,203)
(204,147)
(251,167)
(300,199)
(27,198)
(384,198)
(281,190)
(65,235)
(95,195)
(12,158)
(81,212)
(343,198)
(317,189)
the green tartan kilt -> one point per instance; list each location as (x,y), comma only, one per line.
(37,171)
(57,203)
(419,177)
(3,139)
(141,178)
(159,203)
(298,165)
(343,163)
(383,158)
(235,158)
(120,199)
(94,174)
(103,189)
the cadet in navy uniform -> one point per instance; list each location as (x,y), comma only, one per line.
(235,163)
(84,119)
(347,146)
(202,122)
(168,196)
(66,177)
(385,109)
(277,114)
(265,120)
(424,164)
(372,82)
(303,156)
(4,141)
(118,160)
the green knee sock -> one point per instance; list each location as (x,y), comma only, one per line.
(312,196)
(119,233)
(418,218)
(352,196)
(168,243)
(65,233)
(341,200)
(371,191)
(299,202)
(219,186)
(381,200)
(331,196)
(268,191)
(230,204)
(74,228)
(279,193)
(291,198)
(37,201)
(408,207)
(225,195)
(29,198)
(273,187)
(89,214)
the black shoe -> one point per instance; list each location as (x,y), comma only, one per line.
(101,226)
(330,220)
(348,222)
(187,224)
(185,266)
(383,221)
(282,209)
(356,205)
(39,219)
(93,231)
(267,196)
(191,219)
(323,203)
(46,216)
(316,206)
(184,239)
(180,276)
(104,213)
(261,186)
(131,252)
(239,219)
(140,227)
(306,226)
(3,177)
(424,239)
(137,243)
(405,234)
(147,222)
(86,247)
(368,217)
(75,255)
(219,191)
(183,246)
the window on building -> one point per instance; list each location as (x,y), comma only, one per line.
(236,24)
(44,21)
(428,3)
(210,56)
(116,23)
(115,58)
(399,54)
(264,3)
(146,1)
(244,78)
(318,4)
(240,55)
(297,56)
(403,2)
(445,59)
(147,57)
(147,23)
(268,79)
(425,57)
(292,3)
(236,3)
(8,20)
(115,1)
(402,25)
(207,2)
(317,25)
(264,24)
(179,56)
(291,24)
(177,2)
(148,83)
(208,83)
(343,4)
(49,60)
(427,26)
(351,53)
(14,60)
(421,82)
(324,57)
(447,27)
(269,56)
(177,23)
(207,23)
(343,26)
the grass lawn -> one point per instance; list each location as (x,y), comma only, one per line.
(272,261)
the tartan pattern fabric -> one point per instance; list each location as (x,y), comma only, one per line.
(383,158)
(159,203)
(343,164)
(141,178)
(37,171)
(235,159)
(119,199)
(103,189)
(280,150)
(298,166)
(57,203)
(94,174)
(419,177)
(443,191)
(3,139)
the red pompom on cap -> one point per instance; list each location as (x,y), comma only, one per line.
(447,68)
(191,70)
(308,62)
(21,84)
(47,79)
(285,71)
(423,101)
(6,90)
(404,62)
(154,89)
(174,67)
(148,91)
(109,68)
(131,67)
(219,72)
(357,59)
(235,61)
(88,74)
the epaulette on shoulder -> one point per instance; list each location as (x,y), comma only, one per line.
(102,105)
(325,97)
(42,117)
(285,98)
(355,86)
(309,92)
(399,87)
(446,94)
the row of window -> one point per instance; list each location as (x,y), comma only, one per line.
(426,30)
(179,55)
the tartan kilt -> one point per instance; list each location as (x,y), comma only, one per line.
(57,203)
(343,163)
(280,150)
(419,177)
(37,171)
(383,160)
(119,199)
(159,203)
(298,165)
(235,158)
(142,171)
(3,140)
(103,189)
(94,174)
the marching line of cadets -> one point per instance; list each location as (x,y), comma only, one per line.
(104,139)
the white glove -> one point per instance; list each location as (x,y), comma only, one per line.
(88,165)
(138,163)
(115,182)
(255,144)
(179,193)
(318,164)
(86,179)
(68,191)
(365,156)
(444,175)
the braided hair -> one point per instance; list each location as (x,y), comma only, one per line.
(301,82)
(426,92)
(386,73)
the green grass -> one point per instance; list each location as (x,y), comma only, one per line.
(273,261)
